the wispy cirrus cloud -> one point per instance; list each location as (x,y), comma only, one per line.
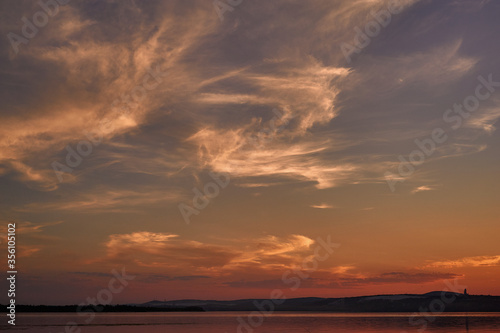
(100,66)
(422,189)
(246,262)
(323,206)
(107,200)
(27,227)
(267,96)
(34,235)
(321,280)
(305,95)
(486,120)
(173,253)
(478,261)
(98,69)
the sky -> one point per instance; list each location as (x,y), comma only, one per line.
(211,149)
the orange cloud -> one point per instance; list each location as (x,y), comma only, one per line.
(323,206)
(169,251)
(107,200)
(479,261)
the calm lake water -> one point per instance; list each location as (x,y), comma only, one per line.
(229,322)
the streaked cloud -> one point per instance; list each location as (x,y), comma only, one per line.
(485,120)
(107,200)
(422,189)
(27,227)
(323,206)
(478,261)
(268,97)
(339,282)
(170,251)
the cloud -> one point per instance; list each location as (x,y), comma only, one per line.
(323,206)
(272,245)
(485,120)
(27,227)
(297,98)
(257,185)
(34,236)
(108,200)
(422,188)
(27,250)
(433,67)
(76,73)
(95,62)
(161,278)
(169,251)
(478,261)
(245,262)
(400,277)
(342,269)
(341,282)
(229,152)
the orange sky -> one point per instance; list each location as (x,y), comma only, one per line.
(207,154)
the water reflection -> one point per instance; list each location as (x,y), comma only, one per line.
(279,322)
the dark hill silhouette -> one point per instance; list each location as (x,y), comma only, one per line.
(451,302)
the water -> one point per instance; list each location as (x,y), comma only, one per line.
(229,322)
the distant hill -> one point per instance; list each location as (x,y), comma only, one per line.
(437,301)
(440,300)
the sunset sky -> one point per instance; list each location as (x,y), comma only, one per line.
(114,111)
